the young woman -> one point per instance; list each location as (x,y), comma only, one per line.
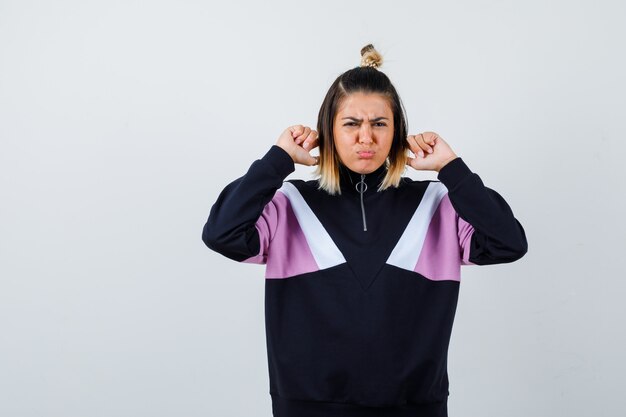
(363,266)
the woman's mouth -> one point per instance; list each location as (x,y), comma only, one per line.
(365,154)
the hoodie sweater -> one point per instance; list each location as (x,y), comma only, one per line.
(361,288)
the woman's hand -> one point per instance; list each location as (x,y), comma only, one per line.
(431,152)
(298,141)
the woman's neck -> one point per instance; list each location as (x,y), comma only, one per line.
(349,179)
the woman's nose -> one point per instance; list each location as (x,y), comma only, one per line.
(365,135)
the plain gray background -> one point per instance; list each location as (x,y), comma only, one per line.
(121,121)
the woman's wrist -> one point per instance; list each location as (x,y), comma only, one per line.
(286,150)
(447,161)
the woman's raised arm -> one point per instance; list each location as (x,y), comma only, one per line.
(243,220)
(495,235)
(231,228)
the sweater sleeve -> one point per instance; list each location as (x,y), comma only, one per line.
(487,229)
(242,221)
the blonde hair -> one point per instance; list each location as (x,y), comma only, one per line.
(365,78)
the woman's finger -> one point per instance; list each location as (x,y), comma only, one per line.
(426,145)
(305,132)
(415,146)
(296,130)
(311,141)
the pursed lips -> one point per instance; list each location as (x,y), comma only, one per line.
(365,154)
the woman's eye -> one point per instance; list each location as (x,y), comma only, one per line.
(378,123)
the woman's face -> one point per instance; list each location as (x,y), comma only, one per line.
(363,130)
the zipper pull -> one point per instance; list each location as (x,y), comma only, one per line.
(361,187)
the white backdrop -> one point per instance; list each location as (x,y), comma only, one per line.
(121,121)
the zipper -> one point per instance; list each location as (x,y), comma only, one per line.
(361,187)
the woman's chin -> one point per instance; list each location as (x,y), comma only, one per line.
(365,165)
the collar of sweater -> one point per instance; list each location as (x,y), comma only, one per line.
(348,179)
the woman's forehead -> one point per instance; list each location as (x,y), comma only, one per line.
(364,106)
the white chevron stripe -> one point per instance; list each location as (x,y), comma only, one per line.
(325,251)
(407,251)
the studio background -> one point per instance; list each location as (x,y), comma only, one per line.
(121,121)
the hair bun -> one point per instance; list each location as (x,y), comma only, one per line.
(370,57)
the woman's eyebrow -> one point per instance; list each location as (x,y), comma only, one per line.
(360,120)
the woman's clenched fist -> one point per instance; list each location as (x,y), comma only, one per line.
(298,141)
(431,151)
